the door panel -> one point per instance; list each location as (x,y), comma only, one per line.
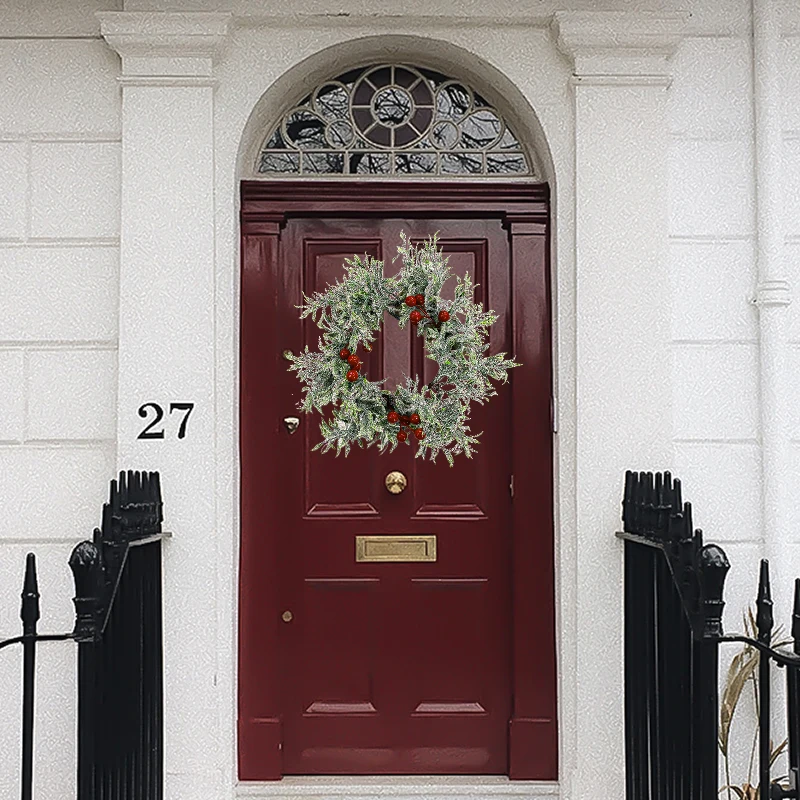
(349,495)
(341,625)
(407,662)
(460,491)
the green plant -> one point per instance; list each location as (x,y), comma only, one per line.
(743,670)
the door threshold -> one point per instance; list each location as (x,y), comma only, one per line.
(398,787)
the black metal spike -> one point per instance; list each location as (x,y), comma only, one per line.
(122,495)
(658,499)
(687,531)
(641,500)
(764,617)
(678,501)
(627,502)
(796,617)
(698,540)
(159,504)
(650,524)
(30,611)
(106,524)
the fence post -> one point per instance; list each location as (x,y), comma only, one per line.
(764,624)
(84,561)
(793,698)
(714,566)
(30,617)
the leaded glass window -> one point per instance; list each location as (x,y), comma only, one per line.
(393,120)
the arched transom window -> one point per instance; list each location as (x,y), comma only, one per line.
(393,120)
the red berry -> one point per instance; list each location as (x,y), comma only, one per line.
(393,417)
(344,354)
(405,419)
(420,434)
(354,361)
(414,419)
(443,316)
(352,375)
(420,299)
(411,300)
(401,436)
(415,317)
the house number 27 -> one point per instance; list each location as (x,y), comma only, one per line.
(151,431)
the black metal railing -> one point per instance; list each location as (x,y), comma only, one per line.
(673,628)
(118,629)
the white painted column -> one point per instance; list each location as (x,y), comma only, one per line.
(166,349)
(624,372)
(772,298)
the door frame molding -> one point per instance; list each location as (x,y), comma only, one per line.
(524,210)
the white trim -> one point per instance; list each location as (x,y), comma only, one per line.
(55,243)
(164,45)
(133,33)
(77,241)
(605,43)
(399,788)
(167,80)
(656,32)
(773,292)
(55,444)
(621,80)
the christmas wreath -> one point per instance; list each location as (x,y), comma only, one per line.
(350,313)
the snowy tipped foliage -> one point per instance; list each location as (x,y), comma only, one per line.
(350,313)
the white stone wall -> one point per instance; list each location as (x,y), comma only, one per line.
(714,274)
(59,267)
(60,168)
(713,269)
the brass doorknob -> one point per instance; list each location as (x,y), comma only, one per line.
(287,616)
(396,482)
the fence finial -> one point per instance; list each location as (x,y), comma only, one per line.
(796,617)
(84,561)
(764,618)
(714,566)
(30,613)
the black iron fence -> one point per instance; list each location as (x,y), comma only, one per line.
(673,629)
(118,630)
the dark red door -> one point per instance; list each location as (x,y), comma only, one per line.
(403,667)
(395,667)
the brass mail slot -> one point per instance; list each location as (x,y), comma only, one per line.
(396,548)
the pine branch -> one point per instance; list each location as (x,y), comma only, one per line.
(350,312)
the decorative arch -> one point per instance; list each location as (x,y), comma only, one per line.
(393,120)
(427,54)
